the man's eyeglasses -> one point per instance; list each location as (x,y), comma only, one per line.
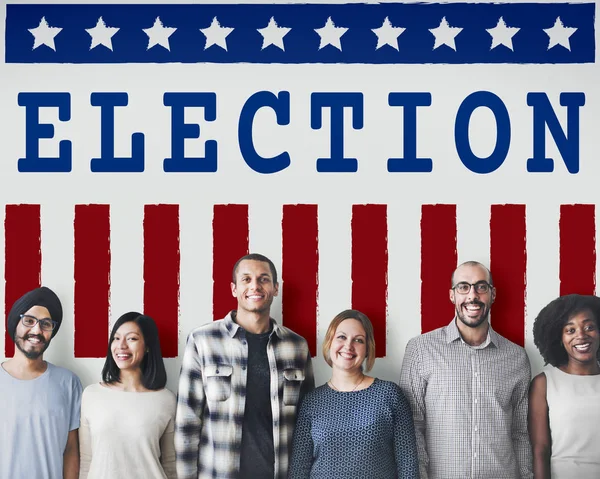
(481,287)
(46,324)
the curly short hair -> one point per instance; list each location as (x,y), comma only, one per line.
(549,324)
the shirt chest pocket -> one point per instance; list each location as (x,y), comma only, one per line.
(292,382)
(218,381)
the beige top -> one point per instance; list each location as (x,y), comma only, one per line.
(127,434)
(574,413)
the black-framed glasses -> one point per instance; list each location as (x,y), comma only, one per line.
(46,324)
(481,287)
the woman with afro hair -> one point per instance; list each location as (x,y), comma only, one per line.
(564,399)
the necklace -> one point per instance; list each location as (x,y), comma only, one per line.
(353,389)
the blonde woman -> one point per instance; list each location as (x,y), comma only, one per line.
(355,425)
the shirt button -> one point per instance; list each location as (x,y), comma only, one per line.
(476,428)
(476,374)
(475,401)
(475,455)
(244,342)
(243,368)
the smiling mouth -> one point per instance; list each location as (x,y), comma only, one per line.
(583,347)
(123,357)
(473,307)
(255,297)
(36,340)
(347,355)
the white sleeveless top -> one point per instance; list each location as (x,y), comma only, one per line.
(574,412)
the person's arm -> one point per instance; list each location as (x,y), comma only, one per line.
(414,387)
(167,451)
(71,456)
(519,429)
(539,427)
(405,440)
(188,418)
(301,458)
(309,378)
(85,448)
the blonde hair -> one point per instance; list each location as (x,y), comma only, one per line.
(366,324)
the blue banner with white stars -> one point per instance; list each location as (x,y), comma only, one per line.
(323,33)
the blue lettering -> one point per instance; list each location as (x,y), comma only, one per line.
(107,163)
(281,105)
(337,102)
(461,132)
(181,130)
(34,131)
(568,144)
(410,162)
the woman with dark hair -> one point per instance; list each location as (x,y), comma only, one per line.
(127,421)
(564,399)
(354,425)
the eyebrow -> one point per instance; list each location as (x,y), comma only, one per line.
(586,320)
(358,335)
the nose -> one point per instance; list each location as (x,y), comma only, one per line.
(35,329)
(580,333)
(255,284)
(122,343)
(472,294)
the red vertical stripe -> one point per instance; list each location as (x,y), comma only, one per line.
(22,257)
(92,279)
(438,262)
(577,249)
(370,266)
(161,272)
(300,270)
(230,243)
(508,263)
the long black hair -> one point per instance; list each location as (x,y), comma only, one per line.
(154,375)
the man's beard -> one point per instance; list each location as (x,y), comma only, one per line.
(36,353)
(466,321)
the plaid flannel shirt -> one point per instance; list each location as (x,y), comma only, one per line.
(212,397)
(469,405)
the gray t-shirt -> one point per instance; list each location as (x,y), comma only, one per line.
(35,419)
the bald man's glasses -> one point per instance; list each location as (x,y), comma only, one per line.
(481,287)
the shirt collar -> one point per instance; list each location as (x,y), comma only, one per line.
(452,334)
(232,327)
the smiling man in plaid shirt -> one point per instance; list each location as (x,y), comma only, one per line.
(240,384)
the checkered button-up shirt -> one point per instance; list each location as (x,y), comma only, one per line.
(212,397)
(469,405)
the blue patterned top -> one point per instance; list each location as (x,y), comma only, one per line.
(367,434)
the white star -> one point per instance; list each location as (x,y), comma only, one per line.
(158,34)
(44,34)
(387,34)
(331,35)
(273,34)
(559,34)
(502,34)
(216,34)
(444,34)
(101,34)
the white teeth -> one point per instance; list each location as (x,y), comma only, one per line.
(582,347)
